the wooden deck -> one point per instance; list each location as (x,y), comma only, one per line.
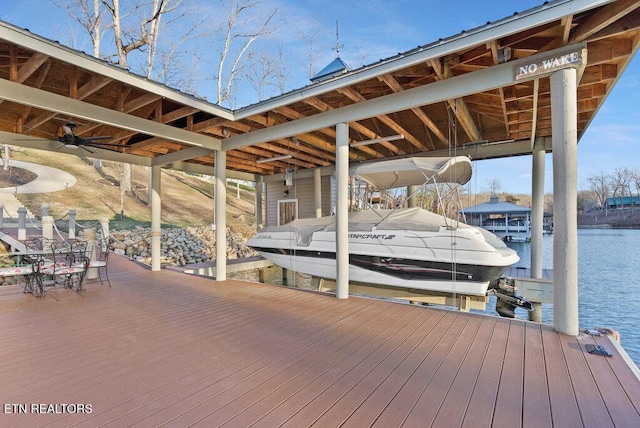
(166,348)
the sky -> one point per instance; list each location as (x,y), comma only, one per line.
(370,30)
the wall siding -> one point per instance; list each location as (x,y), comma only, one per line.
(302,190)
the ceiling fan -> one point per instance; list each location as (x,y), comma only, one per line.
(70,140)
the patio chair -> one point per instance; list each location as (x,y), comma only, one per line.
(42,279)
(102,258)
(71,263)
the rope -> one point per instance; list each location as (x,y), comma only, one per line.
(34,225)
(7,211)
(89,226)
(58,231)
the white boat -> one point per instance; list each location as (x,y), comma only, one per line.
(411,247)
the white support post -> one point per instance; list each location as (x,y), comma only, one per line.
(317,191)
(221,215)
(47,226)
(22,223)
(565,233)
(412,197)
(537,219)
(91,237)
(104,224)
(72,223)
(259,186)
(156,218)
(342,211)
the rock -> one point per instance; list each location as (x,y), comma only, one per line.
(179,246)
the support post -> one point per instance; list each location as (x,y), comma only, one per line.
(342,211)
(412,197)
(1,214)
(22,223)
(72,224)
(317,191)
(104,224)
(156,218)
(221,215)
(537,219)
(565,234)
(47,226)
(259,186)
(90,235)
(44,210)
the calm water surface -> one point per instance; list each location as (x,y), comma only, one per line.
(609,289)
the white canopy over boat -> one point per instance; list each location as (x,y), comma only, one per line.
(415,171)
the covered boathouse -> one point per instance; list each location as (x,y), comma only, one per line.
(509,221)
(158,349)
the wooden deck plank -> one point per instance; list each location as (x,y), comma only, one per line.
(231,401)
(562,399)
(592,408)
(171,402)
(281,413)
(331,395)
(426,408)
(169,349)
(616,400)
(453,409)
(282,388)
(482,403)
(508,407)
(624,374)
(536,411)
(402,404)
(342,410)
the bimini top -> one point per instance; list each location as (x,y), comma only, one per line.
(415,171)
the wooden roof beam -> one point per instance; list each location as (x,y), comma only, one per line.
(331,132)
(354,96)
(493,46)
(396,87)
(458,106)
(605,16)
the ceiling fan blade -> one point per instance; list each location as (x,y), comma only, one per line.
(87,149)
(104,137)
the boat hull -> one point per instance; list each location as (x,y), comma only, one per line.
(462,259)
(390,271)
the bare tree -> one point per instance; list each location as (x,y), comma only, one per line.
(599,185)
(239,36)
(494,186)
(89,15)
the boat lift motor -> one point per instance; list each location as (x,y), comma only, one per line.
(507,300)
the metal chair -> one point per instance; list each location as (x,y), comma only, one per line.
(102,258)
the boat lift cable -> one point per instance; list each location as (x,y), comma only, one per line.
(452,230)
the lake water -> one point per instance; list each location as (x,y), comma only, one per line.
(608,293)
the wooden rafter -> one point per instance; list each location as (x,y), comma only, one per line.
(458,106)
(420,114)
(597,21)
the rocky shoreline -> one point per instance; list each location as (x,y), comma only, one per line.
(179,246)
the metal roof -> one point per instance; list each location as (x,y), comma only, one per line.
(496,206)
(465,83)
